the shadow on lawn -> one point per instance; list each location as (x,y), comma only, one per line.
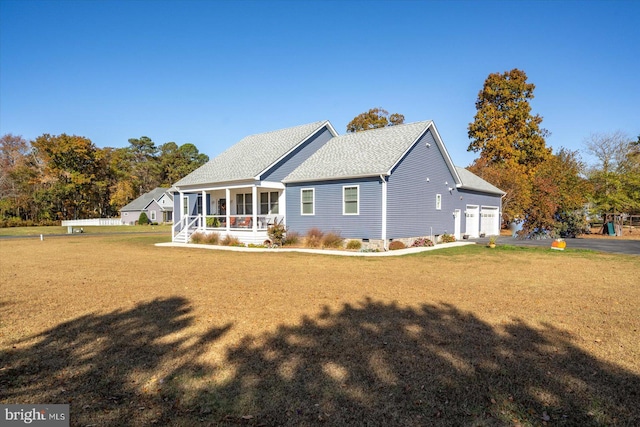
(371,364)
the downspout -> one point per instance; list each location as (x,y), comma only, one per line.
(383,232)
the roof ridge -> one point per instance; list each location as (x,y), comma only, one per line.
(287,128)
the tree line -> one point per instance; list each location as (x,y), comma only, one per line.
(60,177)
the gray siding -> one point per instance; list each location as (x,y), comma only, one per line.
(470,197)
(328,209)
(411,199)
(294,159)
(129,217)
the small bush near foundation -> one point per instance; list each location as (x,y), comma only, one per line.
(396,244)
(197,237)
(448,238)
(143,219)
(292,238)
(205,238)
(422,242)
(313,238)
(332,240)
(277,233)
(231,241)
(354,244)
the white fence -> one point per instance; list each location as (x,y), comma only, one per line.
(87,222)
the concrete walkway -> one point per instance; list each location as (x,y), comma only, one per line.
(319,251)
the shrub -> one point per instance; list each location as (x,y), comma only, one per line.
(292,238)
(354,244)
(231,241)
(332,240)
(144,219)
(447,238)
(313,238)
(197,237)
(396,244)
(277,233)
(205,238)
(422,242)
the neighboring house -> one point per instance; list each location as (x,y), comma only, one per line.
(157,204)
(378,185)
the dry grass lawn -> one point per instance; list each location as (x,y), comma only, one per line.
(132,334)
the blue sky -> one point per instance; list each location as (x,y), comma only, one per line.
(212,72)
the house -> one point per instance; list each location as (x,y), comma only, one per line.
(393,183)
(157,204)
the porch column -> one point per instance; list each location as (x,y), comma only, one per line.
(204,210)
(383,232)
(254,210)
(227,196)
(181,207)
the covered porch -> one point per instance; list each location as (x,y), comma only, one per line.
(244,211)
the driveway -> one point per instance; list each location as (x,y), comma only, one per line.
(613,245)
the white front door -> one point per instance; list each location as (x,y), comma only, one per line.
(472,223)
(456,225)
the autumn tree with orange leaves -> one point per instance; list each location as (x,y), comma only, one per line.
(543,189)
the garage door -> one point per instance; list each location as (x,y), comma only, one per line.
(472,220)
(490,221)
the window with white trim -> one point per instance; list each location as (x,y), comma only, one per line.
(152,215)
(269,203)
(350,196)
(307,201)
(244,204)
(438,201)
(185,205)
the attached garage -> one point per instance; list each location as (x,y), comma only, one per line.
(472,221)
(490,220)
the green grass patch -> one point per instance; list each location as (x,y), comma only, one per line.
(107,229)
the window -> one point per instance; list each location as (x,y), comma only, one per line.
(152,215)
(269,203)
(185,205)
(350,200)
(199,205)
(244,204)
(307,201)
(438,201)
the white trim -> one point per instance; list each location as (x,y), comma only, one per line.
(313,201)
(254,209)
(383,232)
(344,211)
(438,202)
(334,178)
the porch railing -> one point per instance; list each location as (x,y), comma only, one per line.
(240,222)
(182,230)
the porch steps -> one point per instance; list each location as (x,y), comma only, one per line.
(183,236)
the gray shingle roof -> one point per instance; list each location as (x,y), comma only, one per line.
(471,181)
(251,155)
(368,153)
(143,201)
